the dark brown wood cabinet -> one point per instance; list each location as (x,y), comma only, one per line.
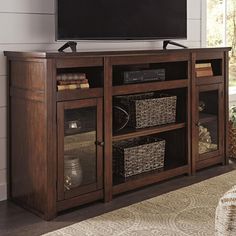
(61,142)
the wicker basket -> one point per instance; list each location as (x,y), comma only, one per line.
(135,156)
(232,140)
(148,110)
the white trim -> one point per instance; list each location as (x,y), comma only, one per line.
(232,95)
(3,191)
(203,23)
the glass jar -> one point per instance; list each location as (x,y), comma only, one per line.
(72,172)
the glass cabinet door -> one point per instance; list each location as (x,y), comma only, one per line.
(209,121)
(79,147)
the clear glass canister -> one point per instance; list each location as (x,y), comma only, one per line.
(72,172)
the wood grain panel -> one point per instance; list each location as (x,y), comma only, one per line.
(79,62)
(149,179)
(28,94)
(108,130)
(147,87)
(79,200)
(28,159)
(194,111)
(160,57)
(28,75)
(226,106)
(210,162)
(23,47)
(209,55)
(79,94)
(148,131)
(51,129)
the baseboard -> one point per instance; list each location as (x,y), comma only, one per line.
(3,191)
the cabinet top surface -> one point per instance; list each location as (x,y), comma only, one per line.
(55,54)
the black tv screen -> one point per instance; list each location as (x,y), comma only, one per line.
(121,19)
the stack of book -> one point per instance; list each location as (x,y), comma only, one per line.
(71,81)
(203,69)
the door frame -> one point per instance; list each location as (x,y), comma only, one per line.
(61,107)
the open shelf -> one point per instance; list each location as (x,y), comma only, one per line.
(67,95)
(150,178)
(147,87)
(131,133)
(216,65)
(205,118)
(175,162)
(168,71)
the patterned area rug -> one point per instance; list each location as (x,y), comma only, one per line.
(184,212)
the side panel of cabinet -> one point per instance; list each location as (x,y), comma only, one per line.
(28,135)
(80,147)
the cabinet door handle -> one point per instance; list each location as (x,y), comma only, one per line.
(99,143)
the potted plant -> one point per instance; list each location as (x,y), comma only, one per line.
(232,132)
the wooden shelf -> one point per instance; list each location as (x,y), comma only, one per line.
(209,79)
(147,131)
(67,95)
(149,178)
(205,118)
(147,87)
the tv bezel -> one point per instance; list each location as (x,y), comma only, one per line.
(114,38)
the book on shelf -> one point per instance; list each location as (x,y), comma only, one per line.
(201,72)
(202,65)
(203,69)
(71,76)
(72,86)
(65,82)
(70,81)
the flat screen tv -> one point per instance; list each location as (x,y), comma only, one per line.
(121,19)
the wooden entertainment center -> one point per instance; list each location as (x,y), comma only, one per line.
(45,123)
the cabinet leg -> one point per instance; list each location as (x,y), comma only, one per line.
(108,196)
(50,216)
(226,161)
(193,172)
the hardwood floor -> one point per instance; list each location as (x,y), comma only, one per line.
(16,221)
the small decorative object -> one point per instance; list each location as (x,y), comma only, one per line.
(201,106)
(205,142)
(232,132)
(72,126)
(72,172)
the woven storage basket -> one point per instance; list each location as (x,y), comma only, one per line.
(148,110)
(232,140)
(132,157)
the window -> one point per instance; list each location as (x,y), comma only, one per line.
(221,31)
